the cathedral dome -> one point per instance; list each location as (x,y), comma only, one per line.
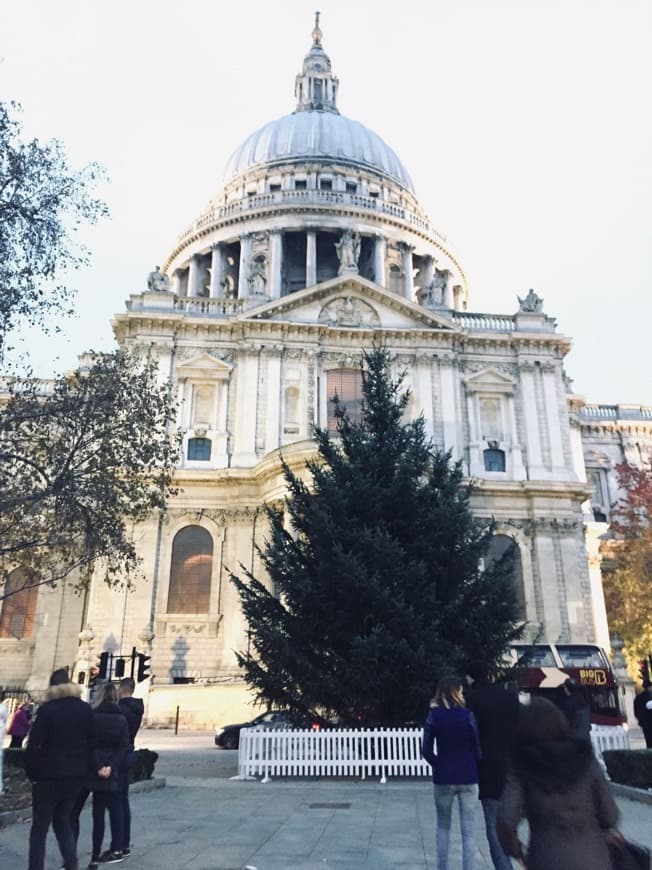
(322,135)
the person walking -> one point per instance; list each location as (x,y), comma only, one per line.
(576,709)
(4,714)
(643,713)
(19,726)
(57,763)
(452,728)
(496,712)
(111,739)
(556,784)
(133,710)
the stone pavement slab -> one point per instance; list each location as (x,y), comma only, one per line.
(219,824)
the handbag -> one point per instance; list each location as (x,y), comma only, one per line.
(629,855)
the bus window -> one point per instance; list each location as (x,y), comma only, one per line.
(579,656)
(538,656)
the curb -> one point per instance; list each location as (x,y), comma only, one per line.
(641,795)
(12,817)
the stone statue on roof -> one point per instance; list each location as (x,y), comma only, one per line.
(158,281)
(348,251)
(532,304)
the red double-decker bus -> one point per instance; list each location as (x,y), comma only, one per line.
(542,669)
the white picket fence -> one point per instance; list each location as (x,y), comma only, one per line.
(355,752)
(358,752)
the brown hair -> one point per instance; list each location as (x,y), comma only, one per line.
(449,693)
(109,693)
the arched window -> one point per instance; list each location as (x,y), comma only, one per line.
(199,448)
(190,571)
(346,384)
(494,460)
(497,549)
(19,608)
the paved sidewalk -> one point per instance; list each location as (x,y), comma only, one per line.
(218,824)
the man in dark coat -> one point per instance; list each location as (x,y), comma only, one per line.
(133,710)
(496,712)
(643,713)
(57,762)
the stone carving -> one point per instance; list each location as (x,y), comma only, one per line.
(532,304)
(349,311)
(158,281)
(257,279)
(348,252)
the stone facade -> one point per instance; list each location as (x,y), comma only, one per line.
(315,248)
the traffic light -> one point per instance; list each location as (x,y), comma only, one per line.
(103,672)
(143,667)
(119,668)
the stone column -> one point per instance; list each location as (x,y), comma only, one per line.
(380,255)
(535,470)
(193,276)
(217,271)
(311,258)
(245,253)
(447,295)
(276,263)
(406,263)
(176,283)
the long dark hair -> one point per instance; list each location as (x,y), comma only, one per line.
(449,693)
(107,693)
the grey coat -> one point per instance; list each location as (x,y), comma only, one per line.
(566,799)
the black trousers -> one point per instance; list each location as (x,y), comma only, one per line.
(52,802)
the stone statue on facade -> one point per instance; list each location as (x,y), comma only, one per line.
(348,252)
(257,277)
(157,281)
(532,304)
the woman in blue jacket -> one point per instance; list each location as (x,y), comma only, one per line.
(452,748)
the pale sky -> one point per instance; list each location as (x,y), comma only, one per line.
(526,128)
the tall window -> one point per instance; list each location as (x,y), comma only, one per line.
(346,384)
(497,548)
(19,608)
(190,572)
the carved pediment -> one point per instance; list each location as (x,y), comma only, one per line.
(349,302)
(489,381)
(203,366)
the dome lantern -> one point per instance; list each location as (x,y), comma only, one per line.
(316,86)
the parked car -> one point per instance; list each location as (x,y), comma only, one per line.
(228,737)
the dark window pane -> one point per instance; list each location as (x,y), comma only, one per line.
(199,448)
(494,460)
(190,571)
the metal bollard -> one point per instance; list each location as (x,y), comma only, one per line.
(176,721)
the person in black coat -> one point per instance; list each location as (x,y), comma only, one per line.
(496,712)
(57,761)
(643,713)
(111,739)
(576,709)
(133,710)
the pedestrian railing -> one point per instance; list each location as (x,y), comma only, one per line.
(362,753)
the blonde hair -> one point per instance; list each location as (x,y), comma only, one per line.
(449,693)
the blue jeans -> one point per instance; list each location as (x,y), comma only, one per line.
(500,860)
(467,797)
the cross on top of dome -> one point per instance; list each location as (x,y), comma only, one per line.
(316,86)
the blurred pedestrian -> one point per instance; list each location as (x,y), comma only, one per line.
(133,710)
(556,784)
(496,713)
(643,713)
(56,761)
(19,726)
(577,711)
(111,742)
(453,730)
(4,714)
